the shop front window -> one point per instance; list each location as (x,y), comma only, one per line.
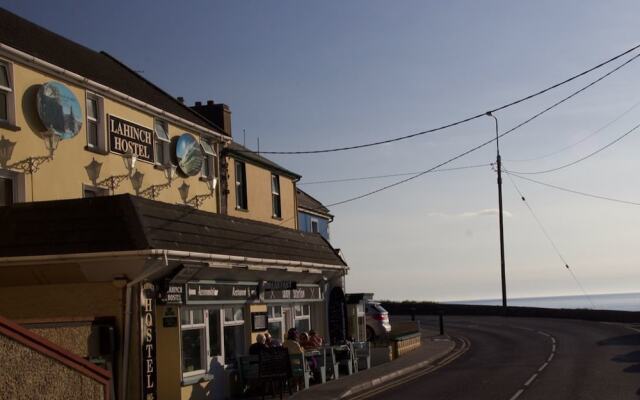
(234,337)
(302,317)
(194,332)
(215,349)
(276,323)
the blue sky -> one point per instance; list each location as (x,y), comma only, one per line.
(302,75)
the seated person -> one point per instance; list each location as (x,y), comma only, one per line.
(259,346)
(315,340)
(292,343)
(304,341)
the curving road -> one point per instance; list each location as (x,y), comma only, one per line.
(532,358)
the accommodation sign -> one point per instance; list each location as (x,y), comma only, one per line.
(125,136)
(217,292)
(148,342)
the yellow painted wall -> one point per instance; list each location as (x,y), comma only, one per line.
(62,178)
(259,196)
(254,308)
(168,356)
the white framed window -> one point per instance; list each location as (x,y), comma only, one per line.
(193,327)
(302,317)
(95,122)
(210,162)
(241,185)
(11,188)
(275,196)
(234,336)
(7,104)
(162,145)
(93,191)
(314,225)
(276,322)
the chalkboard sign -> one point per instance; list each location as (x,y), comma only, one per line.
(274,363)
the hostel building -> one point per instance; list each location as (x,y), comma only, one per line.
(136,234)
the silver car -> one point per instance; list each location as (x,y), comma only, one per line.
(377,321)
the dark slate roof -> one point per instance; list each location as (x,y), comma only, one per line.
(309,203)
(126,222)
(33,39)
(241,152)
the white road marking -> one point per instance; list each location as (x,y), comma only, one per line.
(543,333)
(553,348)
(518,393)
(553,340)
(543,367)
(550,357)
(533,377)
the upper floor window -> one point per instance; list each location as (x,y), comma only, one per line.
(11,187)
(6,93)
(6,191)
(241,185)
(162,142)
(275,196)
(95,126)
(314,225)
(210,161)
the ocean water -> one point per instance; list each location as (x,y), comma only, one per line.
(617,301)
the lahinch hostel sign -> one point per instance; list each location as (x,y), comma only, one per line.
(148,325)
(125,136)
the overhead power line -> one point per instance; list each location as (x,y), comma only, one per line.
(553,244)
(619,138)
(462,121)
(564,189)
(471,150)
(363,178)
(589,136)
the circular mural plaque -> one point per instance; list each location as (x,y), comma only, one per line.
(59,110)
(189,154)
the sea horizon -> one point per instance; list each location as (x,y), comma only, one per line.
(629,301)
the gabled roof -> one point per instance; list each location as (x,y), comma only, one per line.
(126,222)
(307,202)
(241,152)
(100,67)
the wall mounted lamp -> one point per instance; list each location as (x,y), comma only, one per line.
(154,190)
(114,181)
(197,200)
(29,165)
(184,192)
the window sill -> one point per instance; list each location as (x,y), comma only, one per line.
(242,209)
(204,178)
(96,150)
(192,380)
(159,167)
(9,126)
(276,218)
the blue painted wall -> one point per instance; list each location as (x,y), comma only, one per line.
(304,223)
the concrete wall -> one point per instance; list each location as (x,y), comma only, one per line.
(28,374)
(64,176)
(259,196)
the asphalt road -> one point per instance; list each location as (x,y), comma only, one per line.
(531,358)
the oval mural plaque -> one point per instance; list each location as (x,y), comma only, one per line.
(59,110)
(189,154)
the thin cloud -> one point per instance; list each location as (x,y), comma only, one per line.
(471,214)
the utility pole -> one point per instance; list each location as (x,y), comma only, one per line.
(499,170)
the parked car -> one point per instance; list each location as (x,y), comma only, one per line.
(377,321)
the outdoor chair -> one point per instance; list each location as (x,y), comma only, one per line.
(361,352)
(300,369)
(330,365)
(344,357)
(248,372)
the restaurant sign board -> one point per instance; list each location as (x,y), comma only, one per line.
(148,341)
(125,136)
(220,291)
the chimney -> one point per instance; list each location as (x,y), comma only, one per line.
(181,99)
(219,114)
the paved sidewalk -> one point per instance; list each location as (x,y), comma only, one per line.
(434,347)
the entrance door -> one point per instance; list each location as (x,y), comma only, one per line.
(287,313)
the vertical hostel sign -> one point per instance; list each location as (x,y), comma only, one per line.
(125,136)
(148,341)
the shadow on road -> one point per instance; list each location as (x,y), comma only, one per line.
(632,357)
